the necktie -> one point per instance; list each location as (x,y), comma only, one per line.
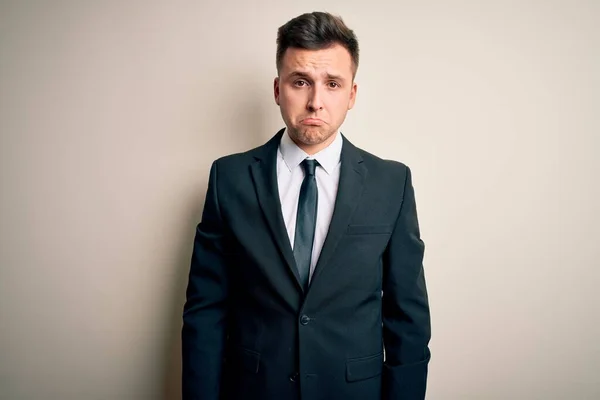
(306,221)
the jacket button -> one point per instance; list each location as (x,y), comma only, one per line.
(304,320)
(294,377)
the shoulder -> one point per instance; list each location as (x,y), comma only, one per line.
(233,173)
(377,165)
(233,162)
(386,175)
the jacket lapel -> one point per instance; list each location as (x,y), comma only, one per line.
(264,175)
(352,176)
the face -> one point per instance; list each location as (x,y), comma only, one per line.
(314,90)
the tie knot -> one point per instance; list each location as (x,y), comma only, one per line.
(310,166)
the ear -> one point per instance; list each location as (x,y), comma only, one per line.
(276,90)
(352,95)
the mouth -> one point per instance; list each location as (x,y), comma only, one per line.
(312,122)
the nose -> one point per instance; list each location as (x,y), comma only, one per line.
(315,101)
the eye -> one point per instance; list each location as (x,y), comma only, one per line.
(300,83)
(333,85)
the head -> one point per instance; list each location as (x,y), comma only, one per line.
(317,59)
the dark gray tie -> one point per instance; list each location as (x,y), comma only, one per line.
(306,221)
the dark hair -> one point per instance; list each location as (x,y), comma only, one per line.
(316,31)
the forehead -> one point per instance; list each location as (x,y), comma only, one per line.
(331,60)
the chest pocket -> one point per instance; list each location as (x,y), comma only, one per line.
(379,229)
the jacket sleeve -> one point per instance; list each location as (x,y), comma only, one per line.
(406,320)
(205,310)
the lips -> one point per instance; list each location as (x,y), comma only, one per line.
(312,121)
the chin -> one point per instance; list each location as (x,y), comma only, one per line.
(311,136)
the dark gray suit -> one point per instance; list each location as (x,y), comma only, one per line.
(250,332)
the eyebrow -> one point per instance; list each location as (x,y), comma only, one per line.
(300,74)
(335,77)
(297,74)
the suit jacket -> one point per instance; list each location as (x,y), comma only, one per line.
(250,332)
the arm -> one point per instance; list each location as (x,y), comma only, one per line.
(204,314)
(406,322)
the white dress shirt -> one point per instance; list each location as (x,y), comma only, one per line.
(290,175)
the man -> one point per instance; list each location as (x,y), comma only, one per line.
(308,259)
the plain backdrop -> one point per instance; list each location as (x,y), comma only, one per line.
(112,112)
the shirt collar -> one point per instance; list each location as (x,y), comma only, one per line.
(328,158)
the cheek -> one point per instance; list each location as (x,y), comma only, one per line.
(291,100)
(339,104)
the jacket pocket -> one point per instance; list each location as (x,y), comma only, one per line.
(247,360)
(358,369)
(369,229)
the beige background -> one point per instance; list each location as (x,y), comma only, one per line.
(111,113)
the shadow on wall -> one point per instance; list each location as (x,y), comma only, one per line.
(250,131)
